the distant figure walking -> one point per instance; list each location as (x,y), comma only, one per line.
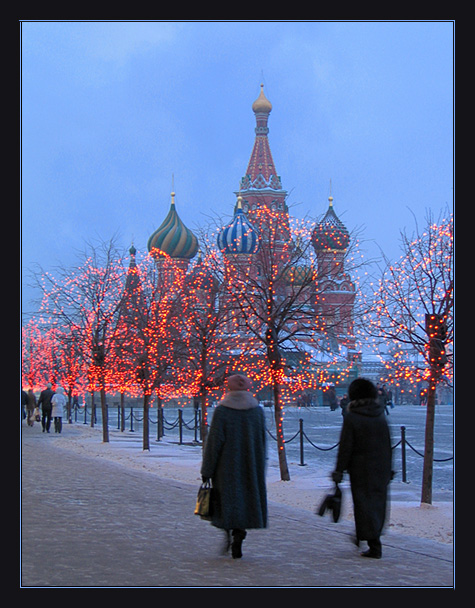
(382,397)
(365,452)
(344,404)
(58,402)
(234,459)
(45,402)
(30,407)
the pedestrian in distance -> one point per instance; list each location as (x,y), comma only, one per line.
(30,407)
(58,401)
(45,402)
(382,397)
(332,400)
(344,404)
(365,453)
(234,459)
(389,398)
(24,401)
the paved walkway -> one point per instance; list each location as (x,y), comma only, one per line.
(92,523)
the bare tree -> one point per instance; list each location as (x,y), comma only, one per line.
(413,307)
(149,342)
(86,300)
(206,316)
(276,291)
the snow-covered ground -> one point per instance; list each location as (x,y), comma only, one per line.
(305,490)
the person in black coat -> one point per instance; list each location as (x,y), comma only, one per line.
(46,407)
(365,453)
(234,459)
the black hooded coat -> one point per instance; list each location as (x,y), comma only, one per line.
(365,452)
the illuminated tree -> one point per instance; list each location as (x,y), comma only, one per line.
(86,300)
(279,306)
(413,308)
(37,347)
(71,370)
(150,343)
(208,317)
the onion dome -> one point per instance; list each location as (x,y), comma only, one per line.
(330,233)
(173,238)
(299,273)
(239,236)
(262,104)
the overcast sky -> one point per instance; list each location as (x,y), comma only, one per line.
(111,110)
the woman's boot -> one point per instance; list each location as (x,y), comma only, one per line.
(238,537)
(374,550)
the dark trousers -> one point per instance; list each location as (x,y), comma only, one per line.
(46,419)
(58,424)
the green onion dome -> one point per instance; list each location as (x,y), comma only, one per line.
(330,233)
(173,238)
(299,274)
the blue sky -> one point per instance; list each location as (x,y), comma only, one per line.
(111,110)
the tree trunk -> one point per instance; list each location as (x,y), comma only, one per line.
(68,407)
(426,496)
(146,439)
(122,412)
(105,417)
(278,413)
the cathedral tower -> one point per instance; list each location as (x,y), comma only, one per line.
(336,291)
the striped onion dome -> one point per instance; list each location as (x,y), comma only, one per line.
(173,238)
(239,236)
(330,233)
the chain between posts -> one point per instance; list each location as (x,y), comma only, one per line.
(195,425)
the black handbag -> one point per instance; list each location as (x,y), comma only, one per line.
(203,506)
(332,502)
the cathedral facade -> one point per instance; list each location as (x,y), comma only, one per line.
(261,195)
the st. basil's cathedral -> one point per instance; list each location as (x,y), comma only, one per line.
(261,188)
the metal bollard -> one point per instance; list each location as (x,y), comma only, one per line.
(196,424)
(302,463)
(180,425)
(403,452)
(159,423)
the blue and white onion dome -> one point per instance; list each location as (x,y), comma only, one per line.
(239,237)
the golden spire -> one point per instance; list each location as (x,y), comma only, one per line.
(262,104)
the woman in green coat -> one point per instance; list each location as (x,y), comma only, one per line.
(234,459)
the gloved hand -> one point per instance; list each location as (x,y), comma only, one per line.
(204,479)
(337,476)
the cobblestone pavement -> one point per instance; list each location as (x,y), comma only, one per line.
(91,523)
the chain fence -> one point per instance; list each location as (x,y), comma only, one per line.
(179,425)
